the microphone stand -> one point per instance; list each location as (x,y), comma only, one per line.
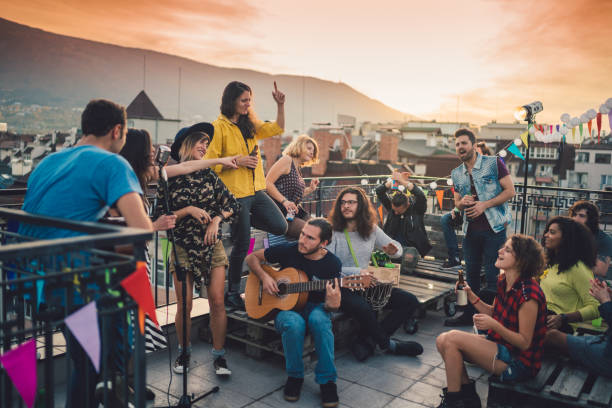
(186,400)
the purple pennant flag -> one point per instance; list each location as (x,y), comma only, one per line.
(20,365)
(84,326)
(266,243)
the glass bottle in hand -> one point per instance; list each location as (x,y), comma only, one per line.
(462,299)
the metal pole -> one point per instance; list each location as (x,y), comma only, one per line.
(524,208)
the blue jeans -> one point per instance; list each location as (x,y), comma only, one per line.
(480,248)
(590,351)
(259,211)
(292,327)
(450,237)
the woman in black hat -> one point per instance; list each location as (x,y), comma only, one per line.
(200,202)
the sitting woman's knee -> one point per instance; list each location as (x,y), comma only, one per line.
(441,342)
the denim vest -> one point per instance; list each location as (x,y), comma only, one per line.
(487,186)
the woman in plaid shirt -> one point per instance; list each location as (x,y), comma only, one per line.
(515,325)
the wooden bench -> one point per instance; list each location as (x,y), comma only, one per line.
(559,383)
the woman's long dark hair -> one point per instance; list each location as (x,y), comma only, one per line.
(577,244)
(365,215)
(137,151)
(231,93)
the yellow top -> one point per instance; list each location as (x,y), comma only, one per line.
(568,292)
(228,141)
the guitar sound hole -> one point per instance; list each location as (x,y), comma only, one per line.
(282,288)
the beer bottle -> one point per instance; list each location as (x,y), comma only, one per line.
(462,299)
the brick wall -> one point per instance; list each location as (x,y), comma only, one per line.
(271,147)
(325,140)
(388,146)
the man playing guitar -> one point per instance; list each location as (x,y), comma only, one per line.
(309,255)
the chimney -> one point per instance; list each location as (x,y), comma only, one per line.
(271,147)
(388,145)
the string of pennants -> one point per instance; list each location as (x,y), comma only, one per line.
(20,362)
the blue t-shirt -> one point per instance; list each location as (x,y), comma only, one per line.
(288,256)
(79,183)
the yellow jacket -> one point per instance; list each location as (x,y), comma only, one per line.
(228,141)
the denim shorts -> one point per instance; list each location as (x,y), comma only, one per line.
(516,370)
(590,351)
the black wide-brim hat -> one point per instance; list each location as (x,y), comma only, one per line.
(205,127)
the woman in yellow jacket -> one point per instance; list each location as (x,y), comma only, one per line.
(237,131)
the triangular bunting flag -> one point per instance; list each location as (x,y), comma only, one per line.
(525,138)
(251,245)
(598,125)
(20,365)
(610,119)
(137,285)
(440,196)
(380,213)
(589,125)
(515,151)
(573,135)
(84,326)
(580,131)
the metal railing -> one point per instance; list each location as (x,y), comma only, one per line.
(541,204)
(44,281)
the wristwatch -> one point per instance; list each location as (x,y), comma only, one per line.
(563,319)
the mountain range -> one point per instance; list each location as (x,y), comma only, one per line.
(42,68)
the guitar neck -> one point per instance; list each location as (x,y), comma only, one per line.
(315,285)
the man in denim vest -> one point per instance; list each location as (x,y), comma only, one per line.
(483,187)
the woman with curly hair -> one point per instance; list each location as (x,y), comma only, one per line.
(515,325)
(201,202)
(571,253)
(285,184)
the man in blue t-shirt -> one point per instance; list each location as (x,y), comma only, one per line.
(81,183)
(310,256)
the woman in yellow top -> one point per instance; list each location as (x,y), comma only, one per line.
(237,131)
(570,252)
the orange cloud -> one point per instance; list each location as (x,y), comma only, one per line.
(556,52)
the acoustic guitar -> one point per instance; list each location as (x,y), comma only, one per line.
(293,288)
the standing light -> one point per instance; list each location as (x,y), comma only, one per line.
(527,113)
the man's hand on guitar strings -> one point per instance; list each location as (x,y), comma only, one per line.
(270,286)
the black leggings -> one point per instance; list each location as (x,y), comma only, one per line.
(259,211)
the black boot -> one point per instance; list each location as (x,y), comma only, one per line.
(470,396)
(451,399)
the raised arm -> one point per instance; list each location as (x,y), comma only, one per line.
(279,98)
(381,193)
(190,166)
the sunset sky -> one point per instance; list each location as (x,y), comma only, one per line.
(446,60)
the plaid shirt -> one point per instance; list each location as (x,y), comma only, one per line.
(506,311)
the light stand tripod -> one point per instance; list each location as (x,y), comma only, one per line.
(162,158)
